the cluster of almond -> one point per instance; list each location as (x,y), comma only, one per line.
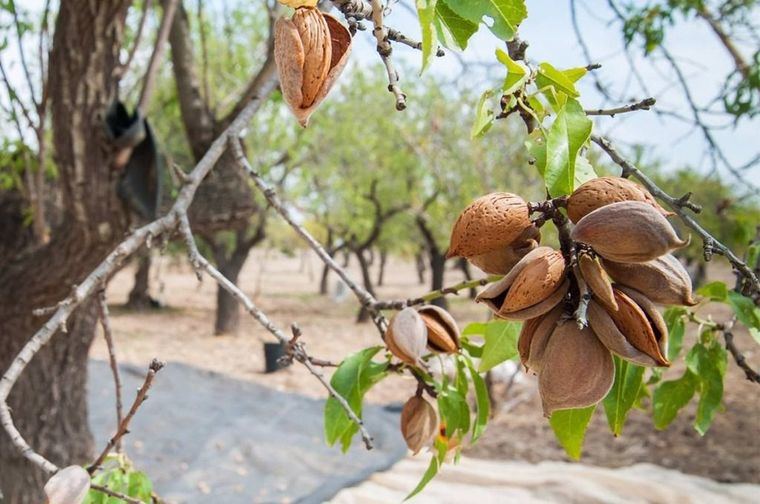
(310,49)
(622,243)
(412,334)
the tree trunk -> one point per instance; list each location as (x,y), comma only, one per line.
(437,272)
(230,264)
(323,287)
(381,271)
(419,264)
(464,265)
(139,296)
(363,315)
(49,400)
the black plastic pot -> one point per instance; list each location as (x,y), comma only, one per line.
(272,354)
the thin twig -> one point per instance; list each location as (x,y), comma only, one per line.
(400,304)
(644,104)
(711,244)
(741,361)
(149,80)
(384,49)
(142,395)
(105,322)
(113,493)
(122,69)
(365,298)
(584,297)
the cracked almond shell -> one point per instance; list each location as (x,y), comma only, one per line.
(628,231)
(605,329)
(577,369)
(502,260)
(643,327)
(489,223)
(602,191)
(310,50)
(406,336)
(442,329)
(663,280)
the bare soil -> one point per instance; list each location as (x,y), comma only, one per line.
(286,288)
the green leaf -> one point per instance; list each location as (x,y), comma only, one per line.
(623,395)
(505,15)
(484,116)
(426,14)
(517,72)
(746,312)
(482,402)
(455,25)
(568,133)
(435,464)
(500,343)
(674,319)
(569,427)
(575,74)
(353,378)
(708,363)
(475,328)
(716,291)
(583,170)
(670,397)
(454,411)
(550,76)
(140,486)
(536,146)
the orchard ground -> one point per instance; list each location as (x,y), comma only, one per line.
(286,288)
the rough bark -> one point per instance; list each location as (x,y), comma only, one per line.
(139,297)
(49,400)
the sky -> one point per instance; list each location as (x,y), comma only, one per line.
(548,30)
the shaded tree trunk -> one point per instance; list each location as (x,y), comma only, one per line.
(49,400)
(323,287)
(381,271)
(419,264)
(464,265)
(363,315)
(139,297)
(436,260)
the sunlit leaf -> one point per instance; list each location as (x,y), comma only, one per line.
(569,427)
(504,15)
(670,397)
(708,363)
(482,402)
(623,395)
(500,343)
(484,116)
(459,28)
(568,133)
(517,72)
(674,319)
(426,15)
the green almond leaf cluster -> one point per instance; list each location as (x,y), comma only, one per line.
(625,391)
(134,484)
(745,309)
(352,380)
(706,368)
(500,343)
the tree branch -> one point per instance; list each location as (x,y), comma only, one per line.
(385,50)
(400,304)
(142,395)
(105,322)
(644,104)
(170,7)
(122,69)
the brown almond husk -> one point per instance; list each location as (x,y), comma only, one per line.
(605,329)
(659,327)
(577,369)
(419,423)
(602,191)
(541,308)
(311,50)
(534,336)
(628,231)
(597,280)
(489,223)
(538,280)
(442,329)
(663,280)
(406,336)
(638,328)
